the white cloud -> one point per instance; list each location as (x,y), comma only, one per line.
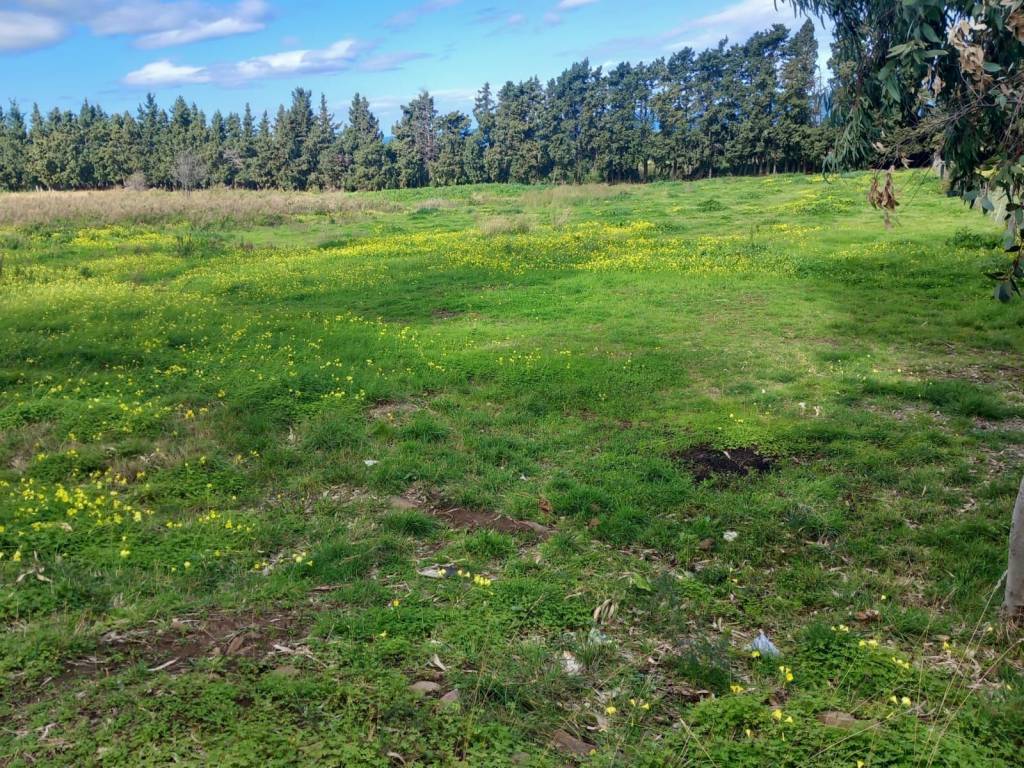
(737,22)
(345,54)
(746,13)
(21,31)
(412,15)
(143,16)
(164,72)
(333,58)
(554,16)
(387,62)
(155,24)
(247,16)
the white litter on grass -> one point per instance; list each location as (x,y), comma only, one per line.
(370,462)
(597,637)
(730,535)
(570,664)
(764,646)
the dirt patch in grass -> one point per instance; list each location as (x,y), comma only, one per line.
(248,635)
(389,410)
(1015,424)
(472,519)
(465,518)
(173,647)
(446,314)
(705,462)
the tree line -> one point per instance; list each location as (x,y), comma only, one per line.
(751,108)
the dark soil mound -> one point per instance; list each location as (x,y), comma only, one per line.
(705,462)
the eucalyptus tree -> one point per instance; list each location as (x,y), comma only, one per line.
(952,71)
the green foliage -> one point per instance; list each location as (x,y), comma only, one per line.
(938,76)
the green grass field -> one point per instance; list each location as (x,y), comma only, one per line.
(229,453)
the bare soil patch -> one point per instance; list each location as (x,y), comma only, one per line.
(465,518)
(389,410)
(173,647)
(706,462)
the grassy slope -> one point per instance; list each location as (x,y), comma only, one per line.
(186,415)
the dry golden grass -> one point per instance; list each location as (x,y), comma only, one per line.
(437,204)
(569,194)
(505,225)
(201,207)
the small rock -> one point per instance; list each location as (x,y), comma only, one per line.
(438,571)
(424,687)
(706,545)
(452,697)
(400,502)
(540,530)
(730,535)
(566,742)
(838,719)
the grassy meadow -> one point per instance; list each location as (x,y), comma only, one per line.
(507,476)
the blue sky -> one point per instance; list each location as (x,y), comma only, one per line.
(224,54)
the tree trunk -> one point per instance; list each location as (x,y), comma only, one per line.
(1013,602)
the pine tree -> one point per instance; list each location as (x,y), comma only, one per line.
(263,170)
(153,154)
(241,151)
(293,166)
(415,141)
(13,146)
(751,148)
(483,113)
(447,168)
(517,152)
(365,160)
(795,133)
(675,115)
(321,152)
(569,119)
(754,107)
(213,153)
